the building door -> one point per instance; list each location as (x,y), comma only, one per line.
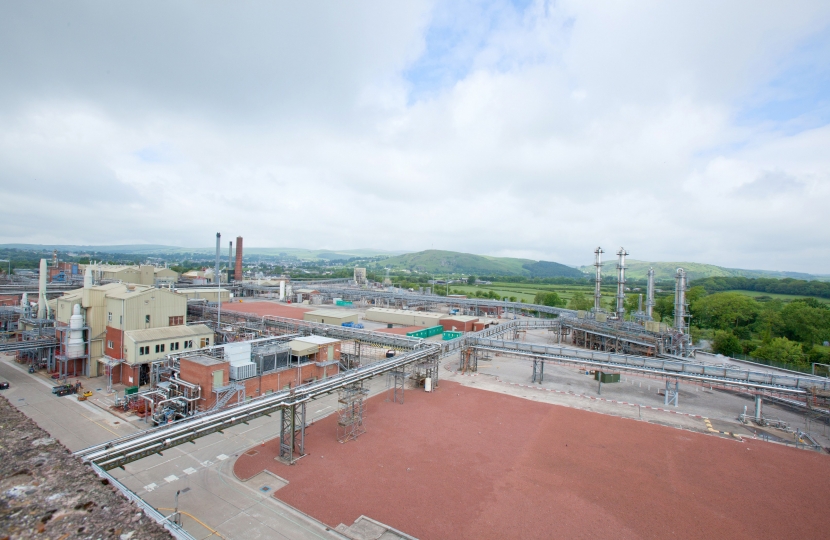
(143,374)
(217,379)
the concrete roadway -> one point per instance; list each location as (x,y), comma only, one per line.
(213,502)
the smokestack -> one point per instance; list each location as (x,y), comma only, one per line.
(237,272)
(87,277)
(230,257)
(41,301)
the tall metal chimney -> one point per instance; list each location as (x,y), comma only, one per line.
(680,301)
(218,285)
(230,258)
(216,270)
(237,273)
(598,264)
(650,294)
(621,282)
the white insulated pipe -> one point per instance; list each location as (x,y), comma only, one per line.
(650,294)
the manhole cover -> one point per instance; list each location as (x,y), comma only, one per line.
(265,489)
(185,490)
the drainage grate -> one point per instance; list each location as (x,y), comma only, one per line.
(185,490)
(265,489)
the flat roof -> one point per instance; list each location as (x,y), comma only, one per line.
(167,332)
(302,348)
(203,359)
(317,340)
(461,318)
(406,312)
(331,313)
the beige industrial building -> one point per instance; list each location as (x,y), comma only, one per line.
(404,317)
(144,346)
(205,293)
(105,308)
(144,274)
(331,316)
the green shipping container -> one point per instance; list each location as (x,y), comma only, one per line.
(451,335)
(426,332)
(130,390)
(607,377)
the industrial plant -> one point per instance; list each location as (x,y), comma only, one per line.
(184,357)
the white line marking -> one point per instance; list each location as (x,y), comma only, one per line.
(190,470)
(172,478)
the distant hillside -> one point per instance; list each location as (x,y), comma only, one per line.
(666,270)
(439,262)
(157,249)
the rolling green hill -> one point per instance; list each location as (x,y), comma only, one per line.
(439,262)
(666,270)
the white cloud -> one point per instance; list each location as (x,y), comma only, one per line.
(550,131)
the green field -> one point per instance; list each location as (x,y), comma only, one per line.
(526,293)
(782,297)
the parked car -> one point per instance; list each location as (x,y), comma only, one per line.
(4,385)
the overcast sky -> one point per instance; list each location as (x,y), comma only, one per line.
(685,131)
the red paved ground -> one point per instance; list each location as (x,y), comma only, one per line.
(401,330)
(267,308)
(466,463)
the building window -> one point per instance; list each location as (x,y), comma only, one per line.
(160,348)
(188,344)
(177,321)
(110,345)
(147,319)
(144,350)
(204,342)
(109,316)
(174,346)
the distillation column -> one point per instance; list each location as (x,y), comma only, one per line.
(597,294)
(680,301)
(621,282)
(42,307)
(650,294)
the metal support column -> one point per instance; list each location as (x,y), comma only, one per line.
(292,432)
(538,370)
(672,393)
(398,380)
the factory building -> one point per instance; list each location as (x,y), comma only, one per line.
(304,295)
(250,371)
(144,346)
(331,316)
(210,294)
(144,274)
(140,308)
(404,317)
(458,323)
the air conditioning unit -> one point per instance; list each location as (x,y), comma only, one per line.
(242,370)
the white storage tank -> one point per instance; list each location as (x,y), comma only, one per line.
(75,344)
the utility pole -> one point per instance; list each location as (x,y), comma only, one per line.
(218,285)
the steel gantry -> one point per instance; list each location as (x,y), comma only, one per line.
(119,452)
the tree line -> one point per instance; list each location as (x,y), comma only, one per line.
(796,287)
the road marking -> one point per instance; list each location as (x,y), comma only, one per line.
(150,487)
(171,478)
(221,457)
(190,470)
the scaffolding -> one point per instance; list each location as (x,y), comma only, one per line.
(351,413)
(397,380)
(292,432)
